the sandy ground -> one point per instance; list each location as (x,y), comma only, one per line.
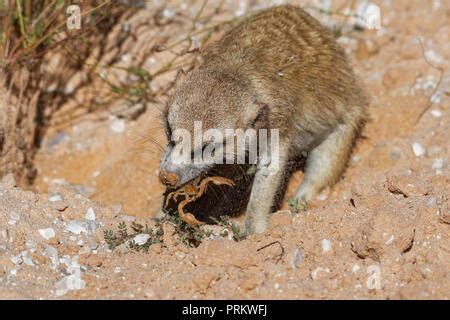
(381,232)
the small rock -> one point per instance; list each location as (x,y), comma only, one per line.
(168,13)
(55,198)
(47,233)
(297,258)
(90,214)
(438,164)
(418,149)
(316,272)
(16,259)
(386,232)
(355,268)
(436,113)
(406,185)
(117,125)
(141,239)
(326,245)
(76,227)
(68,283)
(14,217)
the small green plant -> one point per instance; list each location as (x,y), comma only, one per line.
(226,222)
(190,236)
(115,239)
(298,205)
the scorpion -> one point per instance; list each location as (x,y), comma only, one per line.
(191,192)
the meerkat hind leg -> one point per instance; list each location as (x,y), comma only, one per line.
(326,162)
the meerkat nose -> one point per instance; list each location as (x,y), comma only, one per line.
(168,178)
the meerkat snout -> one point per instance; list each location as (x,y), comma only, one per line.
(278,69)
(168,178)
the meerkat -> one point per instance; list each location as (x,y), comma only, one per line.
(278,69)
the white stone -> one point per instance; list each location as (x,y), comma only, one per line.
(117,125)
(418,149)
(438,164)
(68,283)
(16,259)
(390,240)
(14,217)
(141,239)
(90,214)
(355,268)
(168,13)
(77,227)
(47,233)
(436,113)
(326,245)
(297,258)
(55,198)
(315,272)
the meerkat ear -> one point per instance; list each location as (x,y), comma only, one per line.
(181,76)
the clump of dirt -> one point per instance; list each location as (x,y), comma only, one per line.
(381,232)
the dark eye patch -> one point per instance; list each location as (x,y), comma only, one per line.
(203,150)
(168,129)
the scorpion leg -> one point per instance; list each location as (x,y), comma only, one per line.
(216,180)
(187,217)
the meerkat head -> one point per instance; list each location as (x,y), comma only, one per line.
(203,102)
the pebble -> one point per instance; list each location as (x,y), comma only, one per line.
(68,283)
(436,113)
(418,149)
(141,239)
(315,272)
(72,264)
(438,164)
(16,259)
(168,13)
(298,258)
(326,245)
(117,125)
(47,233)
(79,226)
(55,198)
(90,214)
(126,218)
(76,227)
(355,268)
(14,217)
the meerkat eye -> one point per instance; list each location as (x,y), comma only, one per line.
(168,130)
(203,150)
(261,117)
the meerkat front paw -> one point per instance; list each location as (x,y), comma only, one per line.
(255,226)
